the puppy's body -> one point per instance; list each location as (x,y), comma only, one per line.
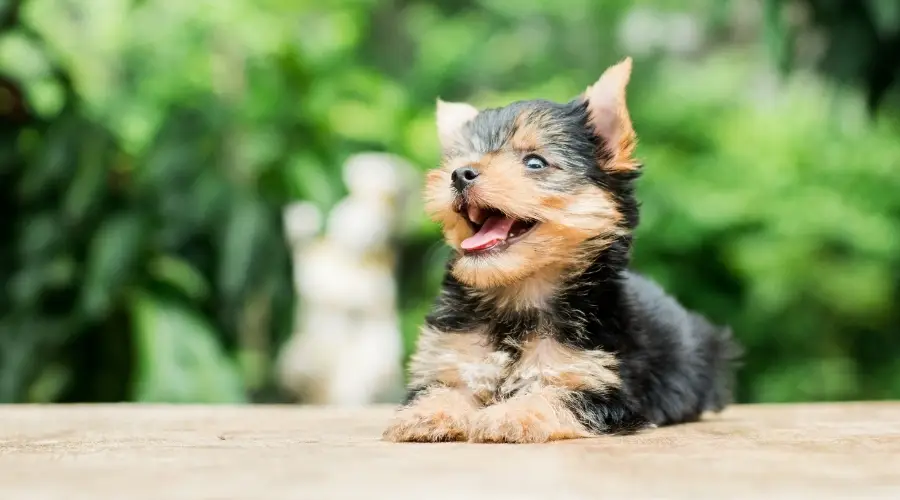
(540,331)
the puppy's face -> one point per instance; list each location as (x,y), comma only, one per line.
(534,185)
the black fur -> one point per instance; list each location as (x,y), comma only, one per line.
(674,364)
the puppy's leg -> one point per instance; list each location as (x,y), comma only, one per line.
(452,375)
(436,414)
(534,417)
(558,392)
(552,414)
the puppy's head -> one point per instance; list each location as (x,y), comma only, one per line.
(534,185)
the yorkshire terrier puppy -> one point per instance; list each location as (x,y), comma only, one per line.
(540,331)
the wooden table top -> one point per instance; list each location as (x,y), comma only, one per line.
(273,452)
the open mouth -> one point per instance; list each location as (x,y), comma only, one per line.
(494,231)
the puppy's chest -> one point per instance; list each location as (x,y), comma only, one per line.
(526,355)
(500,374)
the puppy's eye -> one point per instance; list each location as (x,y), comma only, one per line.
(535,162)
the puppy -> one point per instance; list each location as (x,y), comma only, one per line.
(540,331)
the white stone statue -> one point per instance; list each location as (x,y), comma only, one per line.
(347,346)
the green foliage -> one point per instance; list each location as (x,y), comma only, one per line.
(143,257)
(180,361)
(855,42)
(780,218)
(146,148)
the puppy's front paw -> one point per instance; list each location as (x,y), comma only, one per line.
(412,424)
(532,418)
(437,415)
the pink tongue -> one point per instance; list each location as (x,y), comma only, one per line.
(493,231)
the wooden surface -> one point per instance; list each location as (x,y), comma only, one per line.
(130,452)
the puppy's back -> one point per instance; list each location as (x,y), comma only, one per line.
(686,363)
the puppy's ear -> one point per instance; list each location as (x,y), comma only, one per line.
(609,114)
(451,116)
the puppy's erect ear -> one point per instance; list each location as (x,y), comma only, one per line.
(609,114)
(451,116)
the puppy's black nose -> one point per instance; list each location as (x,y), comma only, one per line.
(463,177)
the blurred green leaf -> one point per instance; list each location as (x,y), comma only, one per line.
(240,246)
(114,253)
(179,360)
(182,275)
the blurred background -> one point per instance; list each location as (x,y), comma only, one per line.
(216,201)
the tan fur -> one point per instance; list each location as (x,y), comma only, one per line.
(567,219)
(545,362)
(532,292)
(527,137)
(460,373)
(439,205)
(543,379)
(458,360)
(439,414)
(535,417)
(609,114)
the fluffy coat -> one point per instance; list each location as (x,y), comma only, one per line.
(541,332)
